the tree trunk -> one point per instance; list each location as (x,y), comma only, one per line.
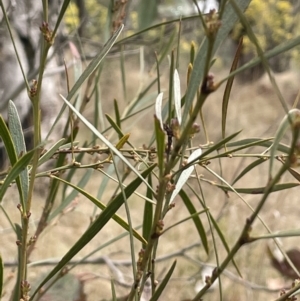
(25,18)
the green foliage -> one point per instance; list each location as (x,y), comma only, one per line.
(150,176)
(97,15)
(147,12)
(271,20)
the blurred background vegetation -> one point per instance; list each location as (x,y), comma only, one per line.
(122,76)
(273,21)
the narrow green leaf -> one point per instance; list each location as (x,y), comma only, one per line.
(15,128)
(147,11)
(8,142)
(220,144)
(69,145)
(260,142)
(191,216)
(153,27)
(138,101)
(197,221)
(113,290)
(109,19)
(57,119)
(288,120)
(104,182)
(14,172)
(166,47)
(96,227)
(117,113)
(83,181)
(229,18)
(95,63)
(102,138)
(211,219)
(229,87)
(120,180)
(257,142)
(259,190)
(76,72)
(219,231)
(114,126)
(286,233)
(8,217)
(54,184)
(148,212)
(163,284)
(49,153)
(100,205)
(252,37)
(157,73)
(192,53)
(216,146)
(248,141)
(279,49)
(178,44)
(294,173)
(60,16)
(102,246)
(171,84)
(98,117)
(248,168)
(120,144)
(123,73)
(185,174)
(160,145)
(71,171)
(213,62)
(232,151)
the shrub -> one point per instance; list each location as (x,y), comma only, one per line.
(97,159)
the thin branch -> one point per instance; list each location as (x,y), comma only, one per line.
(235,278)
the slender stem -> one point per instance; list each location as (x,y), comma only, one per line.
(286,295)
(132,250)
(200,101)
(45,10)
(243,239)
(35,94)
(245,234)
(204,126)
(23,258)
(35,99)
(163,180)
